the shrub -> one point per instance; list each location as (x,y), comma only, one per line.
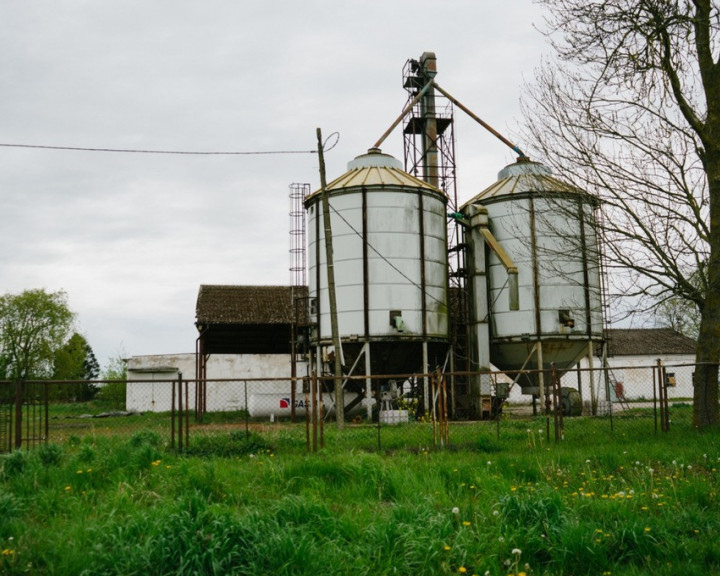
(150,437)
(233,444)
(112,394)
(14,463)
(50,454)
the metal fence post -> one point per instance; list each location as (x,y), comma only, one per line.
(187,413)
(313,415)
(556,402)
(247,411)
(180,412)
(655,396)
(18,413)
(379,405)
(307,414)
(172,414)
(46,407)
(666,405)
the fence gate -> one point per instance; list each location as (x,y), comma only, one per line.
(23,414)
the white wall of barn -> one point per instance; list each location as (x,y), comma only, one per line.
(635,375)
(150,379)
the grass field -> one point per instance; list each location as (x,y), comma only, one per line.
(598,503)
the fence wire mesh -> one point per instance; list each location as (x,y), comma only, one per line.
(387,413)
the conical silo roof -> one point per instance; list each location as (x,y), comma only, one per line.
(524,177)
(377,170)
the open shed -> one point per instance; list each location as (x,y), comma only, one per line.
(248,319)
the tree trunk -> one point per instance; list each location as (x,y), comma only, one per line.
(705,401)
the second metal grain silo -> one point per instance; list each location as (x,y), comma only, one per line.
(389,249)
(546,229)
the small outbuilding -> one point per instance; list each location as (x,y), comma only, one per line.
(245,333)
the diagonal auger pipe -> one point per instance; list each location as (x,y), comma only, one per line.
(404,113)
(477,119)
(423,91)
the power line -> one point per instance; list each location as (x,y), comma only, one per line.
(138,151)
(332,139)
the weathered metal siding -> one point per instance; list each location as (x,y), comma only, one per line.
(553,273)
(390,253)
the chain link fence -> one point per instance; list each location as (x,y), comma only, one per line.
(382,413)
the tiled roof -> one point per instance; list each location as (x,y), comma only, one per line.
(648,342)
(218,304)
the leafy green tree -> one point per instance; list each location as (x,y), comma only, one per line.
(33,326)
(113,391)
(75,360)
(629,110)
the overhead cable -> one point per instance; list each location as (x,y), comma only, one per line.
(333,139)
(137,151)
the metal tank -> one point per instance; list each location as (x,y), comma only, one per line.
(388,232)
(546,229)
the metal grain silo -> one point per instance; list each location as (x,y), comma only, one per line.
(390,267)
(547,229)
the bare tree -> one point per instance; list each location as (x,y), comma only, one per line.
(628,108)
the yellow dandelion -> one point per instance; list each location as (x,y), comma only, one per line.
(462,569)
(446,547)
(466,523)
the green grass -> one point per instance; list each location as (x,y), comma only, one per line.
(617,503)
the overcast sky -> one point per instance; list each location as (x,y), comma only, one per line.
(130,237)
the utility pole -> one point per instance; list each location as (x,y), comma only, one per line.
(339,396)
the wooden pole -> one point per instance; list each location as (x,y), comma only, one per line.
(339,396)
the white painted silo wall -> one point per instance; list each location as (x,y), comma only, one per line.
(394,261)
(562,271)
